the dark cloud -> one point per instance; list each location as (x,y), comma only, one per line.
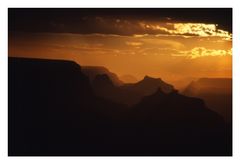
(110,21)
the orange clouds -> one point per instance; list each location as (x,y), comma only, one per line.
(94,44)
(173,52)
(203,52)
(134,43)
(188,29)
(163,42)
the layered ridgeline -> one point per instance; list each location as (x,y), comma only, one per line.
(54,110)
(128,94)
(128,78)
(216,92)
(93,71)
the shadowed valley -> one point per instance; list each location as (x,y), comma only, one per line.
(216,92)
(57,107)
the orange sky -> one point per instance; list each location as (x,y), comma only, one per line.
(175,50)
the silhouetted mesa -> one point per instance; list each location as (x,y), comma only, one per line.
(53,111)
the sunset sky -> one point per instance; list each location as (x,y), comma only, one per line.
(169,43)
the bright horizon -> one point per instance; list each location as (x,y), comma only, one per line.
(164,47)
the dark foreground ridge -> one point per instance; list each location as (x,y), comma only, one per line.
(54,111)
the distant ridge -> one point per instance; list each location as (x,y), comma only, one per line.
(148,85)
(93,71)
(128,78)
(216,92)
(128,94)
